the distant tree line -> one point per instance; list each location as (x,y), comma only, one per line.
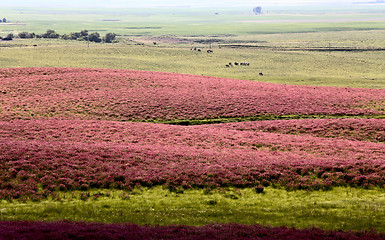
(83,35)
(4,20)
(92,37)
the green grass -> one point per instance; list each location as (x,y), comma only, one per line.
(342,69)
(265,44)
(340,208)
(261,118)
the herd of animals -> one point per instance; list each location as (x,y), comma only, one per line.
(227,65)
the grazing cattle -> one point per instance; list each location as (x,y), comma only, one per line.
(230,64)
(227,65)
(210,51)
(199,50)
(260,74)
(236,63)
(195,49)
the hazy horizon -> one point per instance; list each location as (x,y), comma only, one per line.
(167,3)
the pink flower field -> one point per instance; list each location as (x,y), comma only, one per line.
(351,129)
(65,129)
(82,154)
(144,96)
(95,231)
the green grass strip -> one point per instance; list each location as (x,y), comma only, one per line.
(262,118)
(341,208)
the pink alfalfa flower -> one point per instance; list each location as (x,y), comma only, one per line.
(84,230)
(78,154)
(143,96)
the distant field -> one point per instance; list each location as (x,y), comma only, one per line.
(314,48)
(295,65)
(187,22)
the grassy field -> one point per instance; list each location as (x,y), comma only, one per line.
(193,22)
(328,49)
(317,68)
(341,208)
(318,47)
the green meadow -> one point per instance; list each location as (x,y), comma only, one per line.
(340,208)
(314,47)
(318,68)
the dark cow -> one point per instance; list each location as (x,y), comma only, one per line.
(210,51)
(260,74)
(199,50)
(236,63)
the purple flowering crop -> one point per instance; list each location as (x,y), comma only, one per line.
(101,94)
(78,230)
(79,154)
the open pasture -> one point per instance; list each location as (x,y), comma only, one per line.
(359,69)
(316,48)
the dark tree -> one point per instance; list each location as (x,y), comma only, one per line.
(257,10)
(26,35)
(9,37)
(81,36)
(94,37)
(84,33)
(4,20)
(74,35)
(110,37)
(23,35)
(66,37)
(50,34)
